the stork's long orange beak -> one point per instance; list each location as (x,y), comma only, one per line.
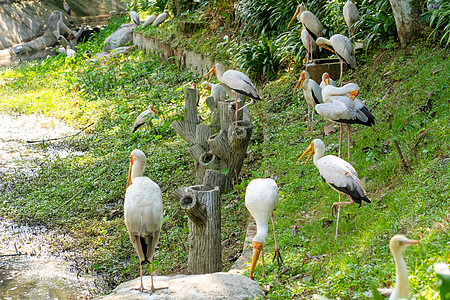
(154,110)
(410,242)
(297,11)
(213,71)
(310,148)
(299,83)
(326,47)
(129,171)
(353,95)
(257,247)
(326,79)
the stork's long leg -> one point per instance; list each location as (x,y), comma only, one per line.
(307,128)
(151,273)
(348,141)
(333,207)
(340,139)
(277,250)
(338,214)
(312,119)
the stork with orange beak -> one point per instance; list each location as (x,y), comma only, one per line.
(342,46)
(143,213)
(311,92)
(236,81)
(338,174)
(149,113)
(261,199)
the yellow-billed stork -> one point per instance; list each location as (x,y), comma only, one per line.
(397,244)
(312,25)
(149,20)
(342,46)
(326,80)
(135,17)
(161,18)
(150,112)
(341,105)
(143,212)
(351,16)
(66,7)
(261,199)
(338,174)
(311,92)
(237,81)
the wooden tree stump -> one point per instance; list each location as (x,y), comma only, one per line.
(202,205)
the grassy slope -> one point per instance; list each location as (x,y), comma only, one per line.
(414,202)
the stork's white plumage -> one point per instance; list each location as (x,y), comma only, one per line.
(69,51)
(338,174)
(150,112)
(397,244)
(135,17)
(312,25)
(217,91)
(66,7)
(161,18)
(342,46)
(341,105)
(308,42)
(236,81)
(326,80)
(311,92)
(351,16)
(149,20)
(261,199)
(143,212)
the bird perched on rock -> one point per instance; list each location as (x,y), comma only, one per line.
(149,20)
(161,18)
(143,213)
(135,17)
(150,112)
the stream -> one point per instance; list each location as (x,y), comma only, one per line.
(28,267)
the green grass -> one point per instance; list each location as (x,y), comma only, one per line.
(77,195)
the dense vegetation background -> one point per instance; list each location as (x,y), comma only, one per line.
(407,89)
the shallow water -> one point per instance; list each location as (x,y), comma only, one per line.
(28,267)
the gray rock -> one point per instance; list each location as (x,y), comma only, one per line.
(204,286)
(120,37)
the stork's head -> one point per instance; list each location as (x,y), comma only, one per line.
(300,81)
(297,12)
(257,248)
(213,72)
(152,108)
(137,165)
(324,43)
(399,243)
(326,78)
(310,148)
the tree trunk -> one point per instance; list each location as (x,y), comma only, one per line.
(407,14)
(202,205)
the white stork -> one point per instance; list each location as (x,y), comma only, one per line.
(149,20)
(397,244)
(305,36)
(69,51)
(261,199)
(236,81)
(338,174)
(311,92)
(66,7)
(342,46)
(143,212)
(326,80)
(161,18)
(341,105)
(149,113)
(351,16)
(135,17)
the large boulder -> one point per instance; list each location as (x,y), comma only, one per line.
(188,287)
(121,37)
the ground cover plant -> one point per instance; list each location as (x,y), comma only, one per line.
(406,89)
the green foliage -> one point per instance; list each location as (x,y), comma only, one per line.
(377,22)
(261,60)
(440,20)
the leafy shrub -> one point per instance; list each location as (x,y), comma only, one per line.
(377,21)
(440,20)
(260,60)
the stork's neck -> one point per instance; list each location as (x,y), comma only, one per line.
(219,72)
(318,155)
(401,280)
(261,232)
(137,169)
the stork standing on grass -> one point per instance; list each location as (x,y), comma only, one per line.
(150,112)
(143,213)
(236,81)
(342,46)
(397,244)
(351,16)
(342,105)
(338,174)
(261,199)
(311,92)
